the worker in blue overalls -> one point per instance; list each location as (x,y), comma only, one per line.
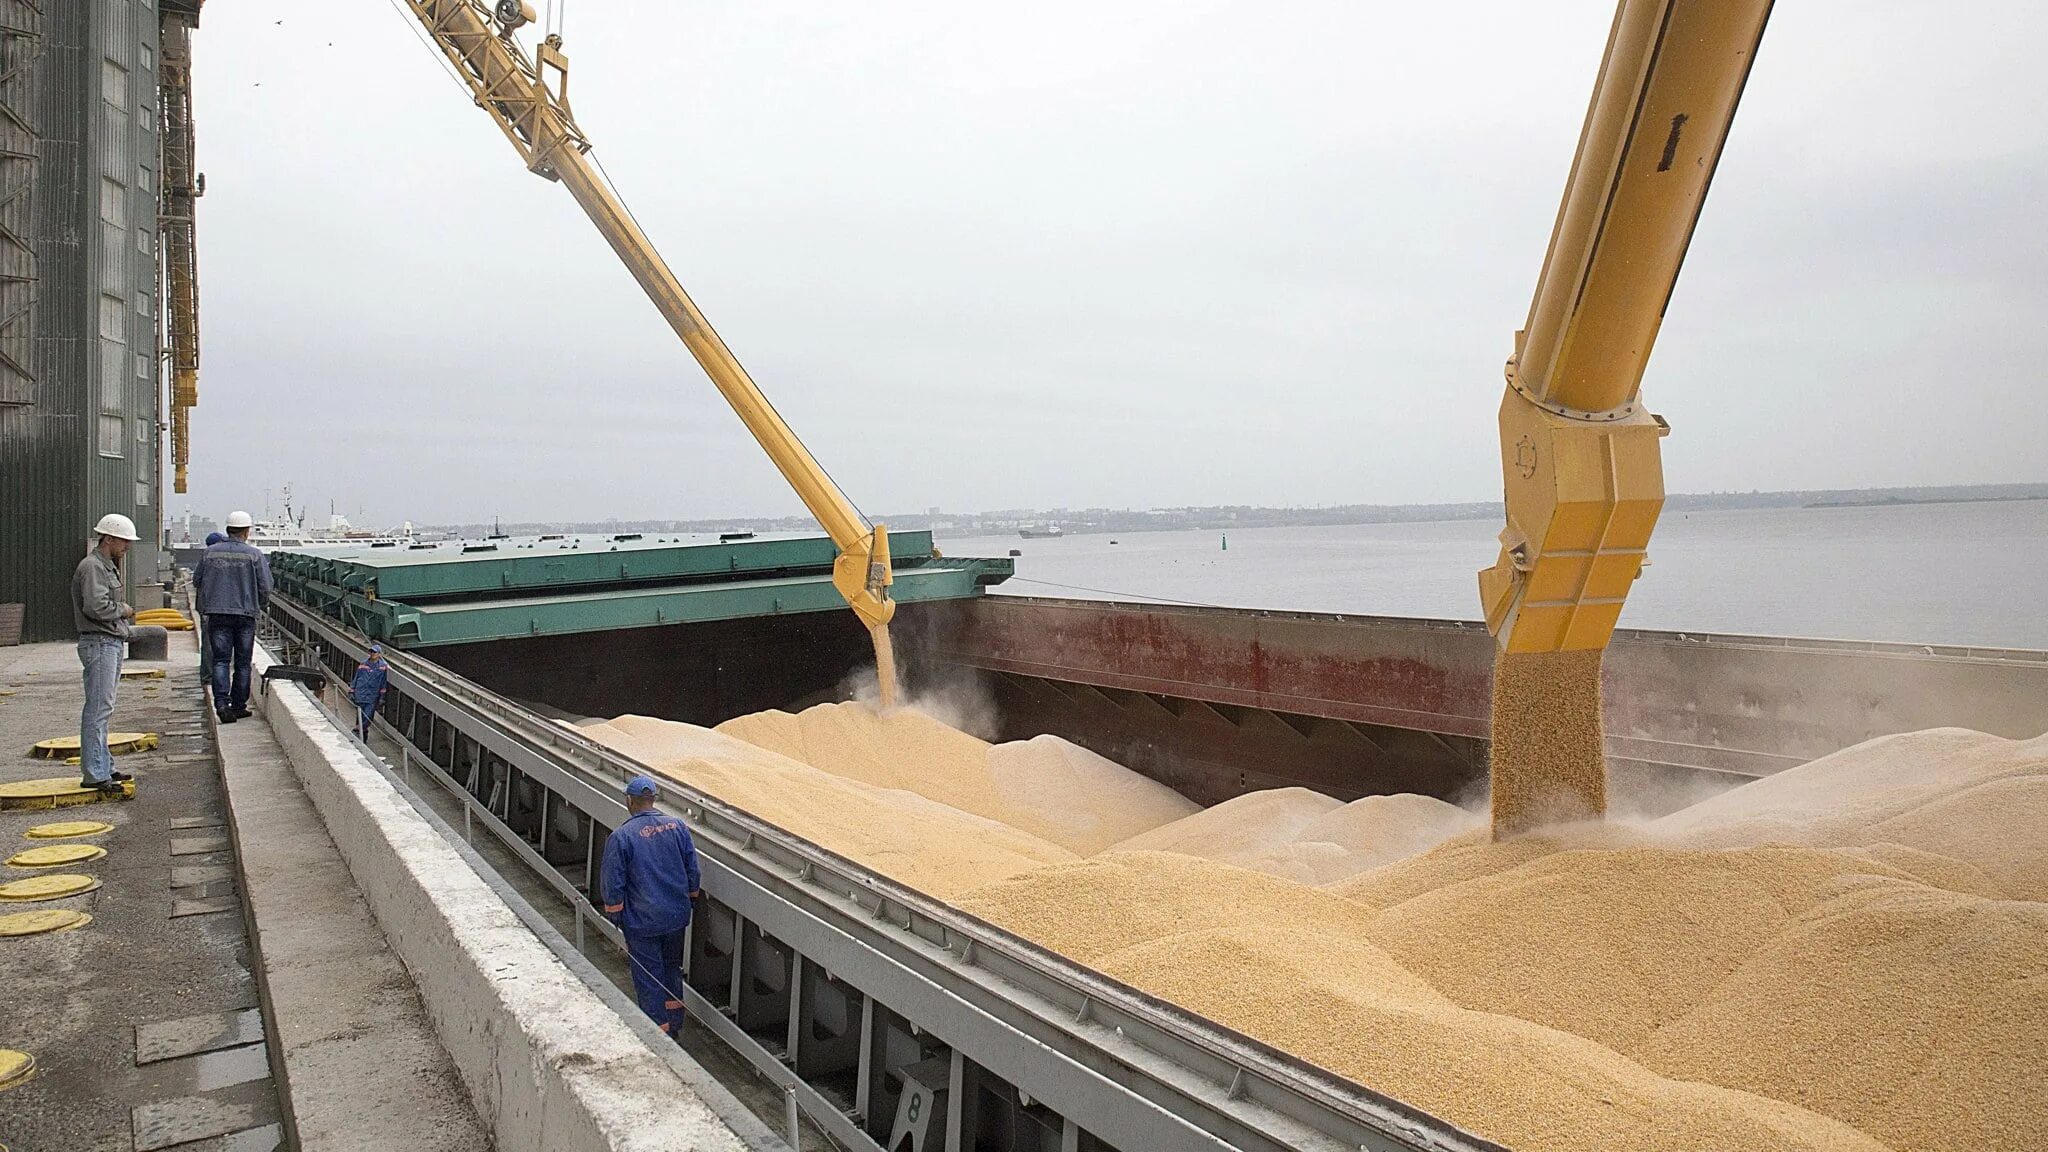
(647,883)
(367,688)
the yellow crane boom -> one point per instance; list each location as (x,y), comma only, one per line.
(176,220)
(1582,477)
(536,118)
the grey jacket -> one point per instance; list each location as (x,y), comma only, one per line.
(96,601)
(233,579)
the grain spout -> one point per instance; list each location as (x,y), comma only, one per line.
(1549,760)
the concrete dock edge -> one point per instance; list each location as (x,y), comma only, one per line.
(548,1065)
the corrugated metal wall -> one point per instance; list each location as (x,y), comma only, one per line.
(21,42)
(86,444)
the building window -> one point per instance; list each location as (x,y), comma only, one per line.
(113,319)
(145,303)
(146,117)
(113,202)
(146,181)
(142,239)
(141,430)
(148,55)
(142,366)
(111,428)
(113,84)
(142,493)
(113,365)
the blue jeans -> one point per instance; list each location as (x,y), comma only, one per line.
(101,657)
(232,641)
(365,714)
(657,963)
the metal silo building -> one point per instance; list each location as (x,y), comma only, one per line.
(82,404)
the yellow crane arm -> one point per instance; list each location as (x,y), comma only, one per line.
(536,118)
(176,220)
(1579,455)
(1582,477)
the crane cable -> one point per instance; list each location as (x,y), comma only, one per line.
(557,14)
(411,20)
(613,187)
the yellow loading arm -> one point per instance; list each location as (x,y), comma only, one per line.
(1579,452)
(536,118)
(176,218)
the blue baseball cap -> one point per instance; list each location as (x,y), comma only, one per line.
(377,649)
(641,786)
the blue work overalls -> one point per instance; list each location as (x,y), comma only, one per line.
(366,688)
(650,869)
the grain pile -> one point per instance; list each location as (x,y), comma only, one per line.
(1306,836)
(1297,968)
(902,835)
(1048,787)
(1885,970)
(1549,761)
(1849,955)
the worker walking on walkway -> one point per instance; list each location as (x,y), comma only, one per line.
(367,688)
(647,883)
(233,582)
(102,613)
(205,649)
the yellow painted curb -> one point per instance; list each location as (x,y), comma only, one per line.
(52,855)
(64,829)
(41,920)
(54,792)
(54,886)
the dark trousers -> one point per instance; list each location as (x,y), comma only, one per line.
(657,960)
(232,642)
(364,714)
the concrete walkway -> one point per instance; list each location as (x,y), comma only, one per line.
(362,1066)
(144,1023)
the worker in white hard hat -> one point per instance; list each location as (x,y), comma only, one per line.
(102,612)
(232,582)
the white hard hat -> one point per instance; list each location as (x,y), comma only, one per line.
(116,525)
(240,520)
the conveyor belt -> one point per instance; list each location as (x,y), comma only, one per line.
(888,1014)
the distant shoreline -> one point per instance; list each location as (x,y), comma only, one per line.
(1226,517)
(1898,502)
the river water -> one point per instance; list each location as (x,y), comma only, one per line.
(1928,573)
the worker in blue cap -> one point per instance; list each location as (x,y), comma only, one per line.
(647,882)
(367,688)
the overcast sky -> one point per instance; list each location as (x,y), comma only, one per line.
(1126,254)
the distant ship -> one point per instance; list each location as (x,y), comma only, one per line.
(1050,532)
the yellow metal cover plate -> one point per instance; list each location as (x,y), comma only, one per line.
(41,920)
(58,747)
(48,887)
(64,829)
(15,1067)
(54,792)
(142,673)
(51,855)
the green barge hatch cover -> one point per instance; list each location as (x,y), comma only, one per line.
(461,592)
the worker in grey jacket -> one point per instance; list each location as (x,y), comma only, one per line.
(233,585)
(102,615)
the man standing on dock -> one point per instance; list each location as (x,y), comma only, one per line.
(647,882)
(233,583)
(102,616)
